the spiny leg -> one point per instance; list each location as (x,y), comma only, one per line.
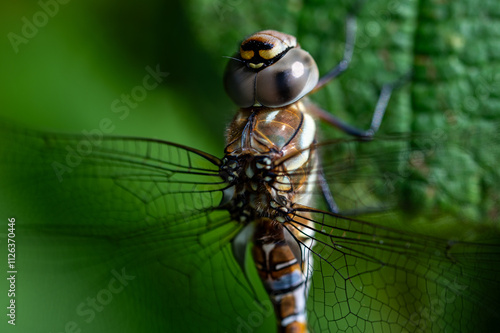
(378,115)
(350,39)
(325,190)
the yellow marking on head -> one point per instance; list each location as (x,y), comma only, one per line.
(247,55)
(271,53)
(255,66)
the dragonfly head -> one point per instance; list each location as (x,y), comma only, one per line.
(270,70)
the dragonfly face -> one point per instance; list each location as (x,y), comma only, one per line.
(270,70)
(172,223)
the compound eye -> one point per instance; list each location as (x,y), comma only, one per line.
(239,83)
(288,80)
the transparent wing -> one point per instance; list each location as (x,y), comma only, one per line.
(121,234)
(426,174)
(395,258)
(371,278)
(125,234)
(360,173)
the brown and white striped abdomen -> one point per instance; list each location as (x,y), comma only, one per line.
(282,274)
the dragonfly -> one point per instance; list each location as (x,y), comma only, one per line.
(258,240)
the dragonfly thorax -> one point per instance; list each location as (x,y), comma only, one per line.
(257,188)
(269,162)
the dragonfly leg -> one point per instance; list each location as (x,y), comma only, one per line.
(327,194)
(378,114)
(350,40)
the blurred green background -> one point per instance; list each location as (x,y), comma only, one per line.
(64,74)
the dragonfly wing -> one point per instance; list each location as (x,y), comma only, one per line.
(122,234)
(357,172)
(425,175)
(371,278)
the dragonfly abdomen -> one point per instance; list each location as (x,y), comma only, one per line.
(282,276)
